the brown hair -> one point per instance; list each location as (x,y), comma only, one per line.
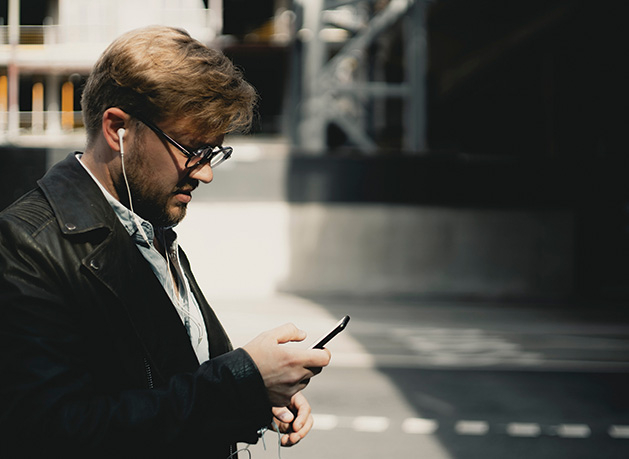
(161,72)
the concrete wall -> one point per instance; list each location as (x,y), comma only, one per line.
(411,250)
(258,248)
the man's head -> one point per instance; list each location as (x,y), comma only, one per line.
(162,73)
(175,99)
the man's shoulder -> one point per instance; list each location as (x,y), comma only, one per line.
(30,213)
(34,210)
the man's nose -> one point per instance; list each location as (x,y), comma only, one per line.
(202,173)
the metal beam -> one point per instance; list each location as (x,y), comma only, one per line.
(356,46)
(339,90)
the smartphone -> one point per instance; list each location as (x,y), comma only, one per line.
(338,328)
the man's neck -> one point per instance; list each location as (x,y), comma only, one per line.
(98,164)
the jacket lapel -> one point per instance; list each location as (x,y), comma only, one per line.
(119,265)
(114,261)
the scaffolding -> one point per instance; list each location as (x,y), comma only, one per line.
(340,48)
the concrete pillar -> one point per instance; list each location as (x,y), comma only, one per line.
(13,71)
(416,57)
(215,18)
(14,21)
(312,130)
(53,105)
(14,101)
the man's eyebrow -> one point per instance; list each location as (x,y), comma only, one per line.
(189,143)
(204,145)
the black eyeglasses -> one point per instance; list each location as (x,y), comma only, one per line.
(214,155)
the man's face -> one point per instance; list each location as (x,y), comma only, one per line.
(160,183)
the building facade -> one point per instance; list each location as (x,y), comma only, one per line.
(47,48)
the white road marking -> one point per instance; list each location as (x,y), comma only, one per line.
(456,347)
(619,431)
(370,424)
(419,426)
(524,429)
(325,421)
(573,430)
(471,427)
(423,426)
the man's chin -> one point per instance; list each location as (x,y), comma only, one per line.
(176,214)
(169,218)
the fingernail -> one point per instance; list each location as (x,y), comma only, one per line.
(285,416)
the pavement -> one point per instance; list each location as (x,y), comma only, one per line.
(444,379)
(423,333)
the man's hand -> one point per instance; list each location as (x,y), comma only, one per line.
(295,421)
(285,370)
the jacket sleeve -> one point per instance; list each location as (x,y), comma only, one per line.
(48,392)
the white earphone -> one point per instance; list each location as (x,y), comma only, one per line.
(121,132)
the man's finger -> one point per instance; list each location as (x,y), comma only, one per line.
(316,359)
(288,332)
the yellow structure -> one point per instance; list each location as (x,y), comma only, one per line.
(67,106)
(4,102)
(38,107)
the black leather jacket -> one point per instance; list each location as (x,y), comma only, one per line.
(94,359)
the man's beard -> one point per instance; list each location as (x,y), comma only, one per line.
(150,201)
(153,206)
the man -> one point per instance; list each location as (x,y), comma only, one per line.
(107,346)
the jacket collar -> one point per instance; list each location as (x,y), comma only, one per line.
(77,201)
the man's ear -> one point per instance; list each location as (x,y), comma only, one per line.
(114,119)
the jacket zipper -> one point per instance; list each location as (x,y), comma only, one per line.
(149,373)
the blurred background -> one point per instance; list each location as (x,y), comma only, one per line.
(450,173)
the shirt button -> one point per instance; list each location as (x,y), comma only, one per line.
(94,264)
(70,226)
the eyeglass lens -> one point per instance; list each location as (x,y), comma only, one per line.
(214,157)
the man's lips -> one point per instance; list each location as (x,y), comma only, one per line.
(184,195)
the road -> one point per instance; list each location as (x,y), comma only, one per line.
(444,380)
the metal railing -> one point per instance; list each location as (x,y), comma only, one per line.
(56,34)
(42,122)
